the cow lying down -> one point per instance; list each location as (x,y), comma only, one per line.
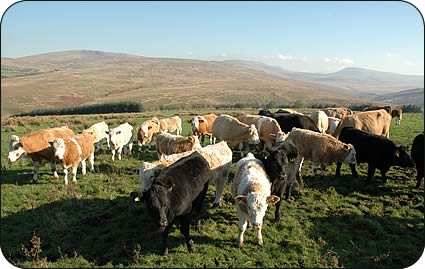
(177,194)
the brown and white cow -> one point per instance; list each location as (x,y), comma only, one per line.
(375,122)
(37,147)
(202,126)
(72,151)
(146,131)
(252,192)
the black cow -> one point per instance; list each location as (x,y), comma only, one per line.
(288,121)
(177,194)
(418,157)
(377,151)
(280,165)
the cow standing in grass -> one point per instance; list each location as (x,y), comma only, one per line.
(202,126)
(99,131)
(72,151)
(121,139)
(177,194)
(418,157)
(37,147)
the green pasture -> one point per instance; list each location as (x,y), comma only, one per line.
(334,222)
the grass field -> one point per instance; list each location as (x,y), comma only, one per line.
(335,222)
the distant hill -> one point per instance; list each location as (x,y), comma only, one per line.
(357,81)
(72,78)
(408,97)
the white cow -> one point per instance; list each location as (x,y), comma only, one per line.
(252,191)
(121,137)
(99,130)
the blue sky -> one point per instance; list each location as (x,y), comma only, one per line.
(301,36)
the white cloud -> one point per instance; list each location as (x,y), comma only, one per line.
(338,61)
(286,57)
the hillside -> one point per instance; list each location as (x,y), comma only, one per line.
(73,78)
(353,80)
(408,97)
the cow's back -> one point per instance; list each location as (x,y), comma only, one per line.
(38,142)
(374,122)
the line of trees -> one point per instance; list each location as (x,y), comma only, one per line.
(104,108)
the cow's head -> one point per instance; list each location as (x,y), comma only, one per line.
(402,157)
(158,203)
(351,154)
(253,135)
(256,205)
(58,146)
(16,150)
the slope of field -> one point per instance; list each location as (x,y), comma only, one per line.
(335,222)
(82,77)
(408,97)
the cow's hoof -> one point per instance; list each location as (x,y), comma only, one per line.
(190,246)
(165,253)
(216,204)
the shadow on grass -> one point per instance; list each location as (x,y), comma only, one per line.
(369,241)
(99,230)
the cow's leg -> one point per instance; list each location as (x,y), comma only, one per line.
(130,148)
(242,227)
(197,205)
(165,241)
(53,169)
(83,167)
(384,174)
(119,151)
(74,173)
(353,170)
(108,142)
(219,188)
(259,235)
(419,176)
(113,155)
(91,162)
(65,171)
(36,168)
(370,172)
(338,169)
(185,230)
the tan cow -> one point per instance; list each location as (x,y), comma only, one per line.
(202,126)
(375,122)
(395,112)
(37,147)
(230,129)
(337,112)
(167,144)
(72,151)
(320,149)
(150,127)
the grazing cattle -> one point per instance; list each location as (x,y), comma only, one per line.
(72,151)
(332,124)
(268,128)
(167,144)
(202,126)
(121,137)
(177,194)
(288,110)
(321,120)
(321,149)
(377,151)
(395,112)
(229,129)
(337,112)
(417,154)
(99,130)
(252,191)
(375,122)
(280,163)
(219,157)
(37,147)
(288,121)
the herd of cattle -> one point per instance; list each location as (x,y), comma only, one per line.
(175,186)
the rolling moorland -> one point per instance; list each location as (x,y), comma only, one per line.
(334,222)
(72,78)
